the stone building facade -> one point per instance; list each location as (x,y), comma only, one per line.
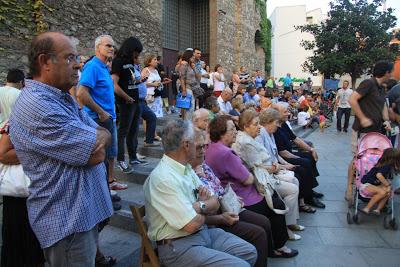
(225,30)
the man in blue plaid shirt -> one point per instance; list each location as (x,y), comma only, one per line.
(62,150)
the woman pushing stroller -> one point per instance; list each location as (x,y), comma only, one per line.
(376,181)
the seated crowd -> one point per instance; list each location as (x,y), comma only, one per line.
(235,186)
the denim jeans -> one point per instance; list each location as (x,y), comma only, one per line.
(148,115)
(128,130)
(76,250)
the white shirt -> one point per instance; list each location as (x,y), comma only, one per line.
(301,99)
(343,96)
(218,85)
(302,118)
(8,96)
(203,80)
(225,107)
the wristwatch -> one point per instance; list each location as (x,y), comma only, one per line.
(202,207)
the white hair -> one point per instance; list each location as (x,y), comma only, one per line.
(100,38)
(175,132)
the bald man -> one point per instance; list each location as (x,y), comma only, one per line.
(62,151)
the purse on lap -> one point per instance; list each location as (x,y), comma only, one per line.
(13,181)
(230,201)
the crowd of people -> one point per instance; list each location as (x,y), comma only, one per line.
(229,188)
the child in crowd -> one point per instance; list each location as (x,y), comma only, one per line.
(376,180)
(303,117)
(322,120)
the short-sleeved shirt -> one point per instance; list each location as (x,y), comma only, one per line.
(370,177)
(127,79)
(303,118)
(371,103)
(394,97)
(53,139)
(229,168)
(169,195)
(287,81)
(343,95)
(8,96)
(284,137)
(96,76)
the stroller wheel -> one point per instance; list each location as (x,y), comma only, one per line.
(349,219)
(386,222)
(393,224)
(356,219)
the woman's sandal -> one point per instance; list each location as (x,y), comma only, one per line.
(105,261)
(307,209)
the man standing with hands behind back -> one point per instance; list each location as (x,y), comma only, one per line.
(62,151)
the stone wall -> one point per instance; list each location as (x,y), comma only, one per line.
(237,23)
(84,20)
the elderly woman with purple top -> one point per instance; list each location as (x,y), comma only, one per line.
(223,134)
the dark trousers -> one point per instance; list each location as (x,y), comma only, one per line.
(207,93)
(278,222)
(128,130)
(339,114)
(306,172)
(148,115)
(255,229)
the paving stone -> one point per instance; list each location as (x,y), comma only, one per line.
(334,206)
(321,256)
(381,257)
(355,237)
(391,237)
(321,219)
(309,236)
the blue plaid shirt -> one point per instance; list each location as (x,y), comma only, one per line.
(53,139)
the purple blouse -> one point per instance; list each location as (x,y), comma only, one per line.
(229,168)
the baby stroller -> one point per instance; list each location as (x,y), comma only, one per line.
(370,149)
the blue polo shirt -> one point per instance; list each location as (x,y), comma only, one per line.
(287,81)
(96,76)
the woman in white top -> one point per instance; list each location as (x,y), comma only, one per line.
(219,80)
(154,85)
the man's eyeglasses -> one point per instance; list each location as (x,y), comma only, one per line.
(75,58)
(109,46)
(201,147)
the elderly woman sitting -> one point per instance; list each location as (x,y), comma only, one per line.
(258,159)
(248,225)
(270,120)
(230,169)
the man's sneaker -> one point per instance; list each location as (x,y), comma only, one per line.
(138,161)
(155,143)
(139,156)
(114,185)
(125,168)
(113,192)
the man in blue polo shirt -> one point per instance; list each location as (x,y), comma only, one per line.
(96,92)
(287,83)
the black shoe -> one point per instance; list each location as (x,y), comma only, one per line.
(317,195)
(315,202)
(345,130)
(115,198)
(116,206)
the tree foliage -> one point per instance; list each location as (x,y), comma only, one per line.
(265,31)
(354,36)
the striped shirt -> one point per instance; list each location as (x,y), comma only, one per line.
(54,139)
